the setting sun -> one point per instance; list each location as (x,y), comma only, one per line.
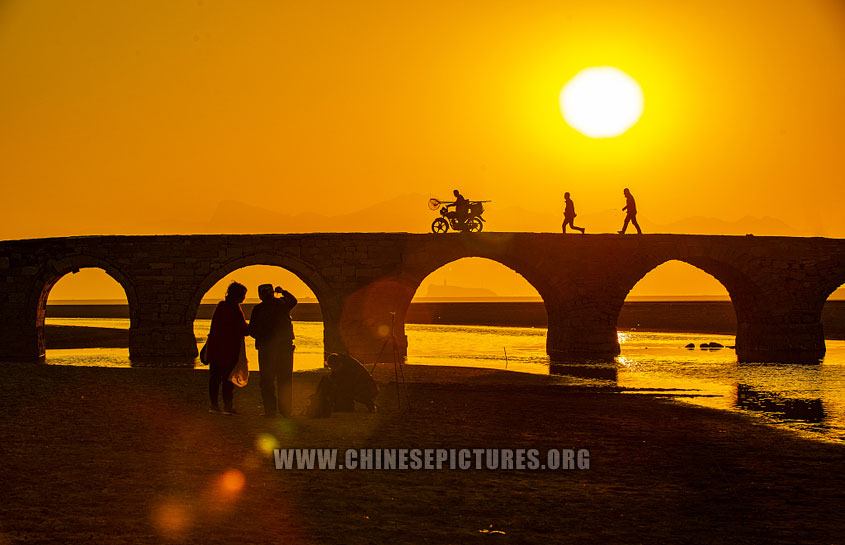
(601,102)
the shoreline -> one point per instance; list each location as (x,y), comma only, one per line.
(65,337)
(706,317)
(153,467)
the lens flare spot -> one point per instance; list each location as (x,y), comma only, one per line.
(266,442)
(171,518)
(232,481)
(285,428)
(383,331)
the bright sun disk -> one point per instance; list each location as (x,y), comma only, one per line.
(601,102)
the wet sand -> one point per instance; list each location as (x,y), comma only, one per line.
(99,455)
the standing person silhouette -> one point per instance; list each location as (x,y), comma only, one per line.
(631,216)
(272,329)
(228,329)
(569,214)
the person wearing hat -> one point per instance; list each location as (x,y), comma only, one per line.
(272,329)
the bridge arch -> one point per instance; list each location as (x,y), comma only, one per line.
(833,284)
(832,314)
(376,309)
(741,289)
(703,284)
(302,270)
(50,274)
(493,273)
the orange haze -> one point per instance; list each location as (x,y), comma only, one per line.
(142,117)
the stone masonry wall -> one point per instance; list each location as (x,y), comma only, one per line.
(365,282)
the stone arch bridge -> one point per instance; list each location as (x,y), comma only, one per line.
(778,285)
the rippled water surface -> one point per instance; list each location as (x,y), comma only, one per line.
(809,399)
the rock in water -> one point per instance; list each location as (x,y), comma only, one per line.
(704,345)
(690,346)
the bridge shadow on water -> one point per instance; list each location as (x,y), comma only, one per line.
(592,370)
(779,406)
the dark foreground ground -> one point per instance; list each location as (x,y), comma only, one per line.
(95,455)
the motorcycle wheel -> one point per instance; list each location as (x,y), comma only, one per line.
(439,225)
(474,225)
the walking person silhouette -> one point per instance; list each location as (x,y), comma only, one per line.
(631,216)
(569,214)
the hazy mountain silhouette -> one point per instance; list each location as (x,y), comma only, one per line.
(749,224)
(403,213)
(609,221)
(409,213)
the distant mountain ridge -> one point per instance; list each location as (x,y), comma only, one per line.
(409,213)
(404,213)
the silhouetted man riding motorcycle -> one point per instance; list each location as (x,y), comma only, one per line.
(461,207)
(461,214)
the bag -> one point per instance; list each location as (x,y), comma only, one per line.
(204,353)
(240,373)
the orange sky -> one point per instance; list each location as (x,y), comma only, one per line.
(141,117)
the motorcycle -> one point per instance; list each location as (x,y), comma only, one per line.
(473,222)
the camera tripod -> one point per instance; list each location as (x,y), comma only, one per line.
(398,372)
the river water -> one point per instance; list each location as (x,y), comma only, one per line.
(807,399)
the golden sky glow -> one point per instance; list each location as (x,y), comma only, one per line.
(140,117)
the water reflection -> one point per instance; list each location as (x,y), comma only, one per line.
(809,398)
(779,406)
(591,371)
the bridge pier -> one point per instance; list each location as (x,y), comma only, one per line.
(170,343)
(767,342)
(782,324)
(369,341)
(20,342)
(583,311)
(372,322)
(585,341)
(332,337)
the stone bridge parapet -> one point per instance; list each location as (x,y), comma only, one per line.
(365,282)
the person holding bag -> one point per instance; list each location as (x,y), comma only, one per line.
(225,347)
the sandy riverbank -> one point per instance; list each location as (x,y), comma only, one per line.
(98,455)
